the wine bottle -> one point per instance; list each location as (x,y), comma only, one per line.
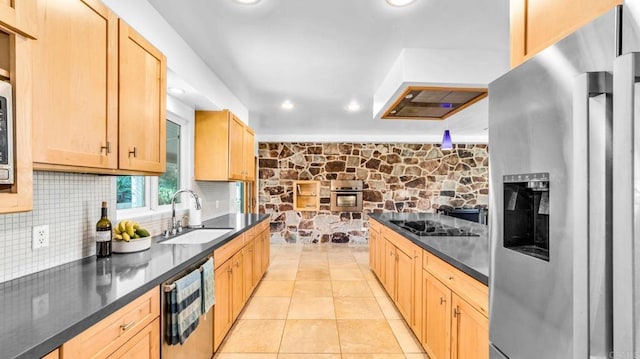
(103,234)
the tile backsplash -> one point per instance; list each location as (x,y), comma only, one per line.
(70,204)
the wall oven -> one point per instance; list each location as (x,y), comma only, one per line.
(346,196)
(6,134)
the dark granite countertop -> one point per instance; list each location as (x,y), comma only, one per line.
(42,311)
(468,254)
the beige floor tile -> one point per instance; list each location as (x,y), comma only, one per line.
(254,336)
(408,342)
(244,356)
(367,272)
(376,288)
(416,356)
(347,274)
(312,288)
(274,288)
(357,308)
(313,275)
(373,356)
(367,336)
(280,274)
(362,257)
(311,308)
(388,308)
(309,356)
(351,288)
(266,308)
(310,336)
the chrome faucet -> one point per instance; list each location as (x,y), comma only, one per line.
(174,223)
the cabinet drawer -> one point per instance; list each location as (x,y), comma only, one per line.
(474,292)
(227,251)
(374,225)
(109,334)
(144,345)
(250,233)
(263,226)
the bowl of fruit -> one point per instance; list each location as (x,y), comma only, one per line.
(130,237)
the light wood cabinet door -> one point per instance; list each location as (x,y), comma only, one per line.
(373,251)
(247,265)
(266,250)
(144,345)
(222,315)
(437,318)
(248,150)
(142,109)
(389,278)
(257,258)
(469,333)
(53,355)
(537,24)
(75,91)
(237,285)
(236,154)
(404,284)
(19,16)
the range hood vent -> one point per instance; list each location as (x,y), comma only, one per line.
(432,103)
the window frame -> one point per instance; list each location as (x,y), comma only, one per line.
(151,182)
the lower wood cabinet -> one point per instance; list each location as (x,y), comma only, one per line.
(240,264)
(445,308)
(133,329)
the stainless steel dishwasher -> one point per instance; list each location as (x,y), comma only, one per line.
(199,345)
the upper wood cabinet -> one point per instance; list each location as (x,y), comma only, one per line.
(537,24)
(16,68)
(19,16)
(99,93)
(142,109)
(224,147)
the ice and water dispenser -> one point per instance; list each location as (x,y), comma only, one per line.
(526,214)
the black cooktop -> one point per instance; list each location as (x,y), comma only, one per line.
(433,228)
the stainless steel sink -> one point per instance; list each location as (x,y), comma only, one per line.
(198,236)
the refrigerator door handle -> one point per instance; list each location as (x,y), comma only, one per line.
(626,221)
(592,145)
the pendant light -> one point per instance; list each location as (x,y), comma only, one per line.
(446,141)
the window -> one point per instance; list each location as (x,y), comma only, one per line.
(140,194)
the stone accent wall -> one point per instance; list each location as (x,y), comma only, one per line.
(397,177)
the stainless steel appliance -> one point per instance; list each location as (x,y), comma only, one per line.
(346,196)
(552,127)
(6,133)
(428,228)
(199,344)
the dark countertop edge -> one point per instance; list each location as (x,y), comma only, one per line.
(482,278)
(48,345)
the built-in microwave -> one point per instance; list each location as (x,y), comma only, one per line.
(6,133)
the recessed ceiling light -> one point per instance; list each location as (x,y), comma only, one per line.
(247,2)
(399,3)
(176,90)
(353,106)
(287,105)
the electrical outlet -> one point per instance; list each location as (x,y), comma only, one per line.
(217,204)
(40,238)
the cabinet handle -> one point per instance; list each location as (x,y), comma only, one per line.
(451,278)
(238,264)
(456,312)
(442,300)
(230,270)
(127,326)
(134,152)
(106,148)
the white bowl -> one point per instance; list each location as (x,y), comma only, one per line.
(134,245)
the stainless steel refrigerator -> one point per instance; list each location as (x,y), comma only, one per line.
(565,183)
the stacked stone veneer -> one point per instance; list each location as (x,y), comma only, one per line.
(397,178)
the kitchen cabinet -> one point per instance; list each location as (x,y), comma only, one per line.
(374,246)
(142,114)
(236,276)
(437,317)
(19,16)
(99,93)
(469,331)
(224,147)
(537,24)
(133,329)
(266,247)
(306,195)
(16,67)
(53,355)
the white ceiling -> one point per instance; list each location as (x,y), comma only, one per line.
(321,54)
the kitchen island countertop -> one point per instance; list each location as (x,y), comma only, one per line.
(43,310)
(470,254)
